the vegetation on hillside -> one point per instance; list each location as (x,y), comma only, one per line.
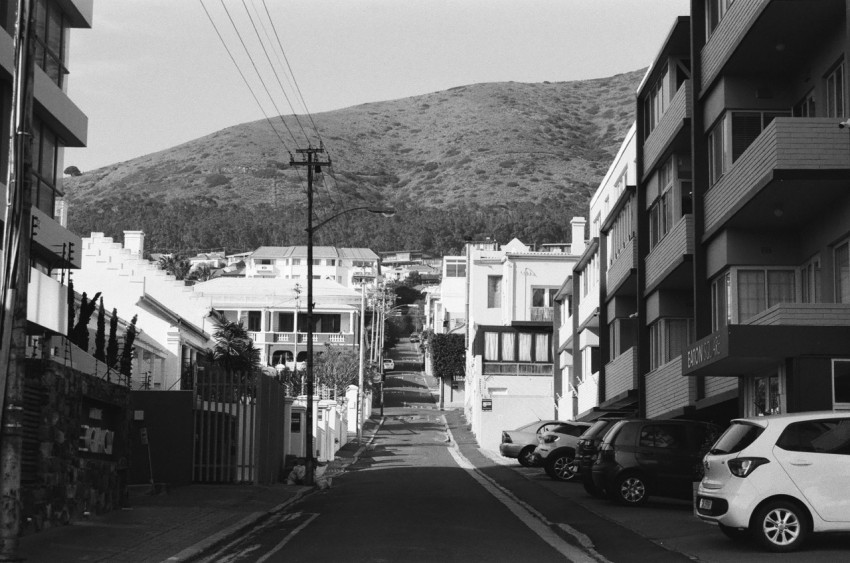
(504,160)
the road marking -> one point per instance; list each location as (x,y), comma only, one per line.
(533,519)
(288,537)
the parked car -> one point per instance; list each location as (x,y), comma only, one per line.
(641,458)
(779,478)
(586,450)
(389,364)
(520,443)
(556,450)
(414,337)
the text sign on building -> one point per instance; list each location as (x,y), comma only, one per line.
(486,404)
(706,351)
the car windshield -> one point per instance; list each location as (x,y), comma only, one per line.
(598,429)
(737,437)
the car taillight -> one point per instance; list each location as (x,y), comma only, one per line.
(506,438)
(549,439)
(606,453)
(743,466)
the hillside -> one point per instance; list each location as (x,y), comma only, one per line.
(530,148)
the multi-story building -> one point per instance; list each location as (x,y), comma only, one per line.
(57,123)
(329,263)
(275,313)
(510,376)
(597,304)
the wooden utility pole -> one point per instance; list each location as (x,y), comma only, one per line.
(17,233)
(313,165)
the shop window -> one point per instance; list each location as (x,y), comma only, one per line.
(841,384)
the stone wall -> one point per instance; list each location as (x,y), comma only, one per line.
(75,445)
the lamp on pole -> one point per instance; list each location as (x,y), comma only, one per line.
(312,166)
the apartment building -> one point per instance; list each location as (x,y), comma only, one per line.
(510,292)
(341,265)
(597,304)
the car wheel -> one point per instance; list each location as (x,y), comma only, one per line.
(736,534)
(630,490)
(592,489)
(526,457)
(780,526)
(562,467)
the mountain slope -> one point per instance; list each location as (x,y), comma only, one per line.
(472,147)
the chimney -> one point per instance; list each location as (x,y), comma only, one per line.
(577,244)
(134,241)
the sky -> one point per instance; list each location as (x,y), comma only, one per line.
(152,74)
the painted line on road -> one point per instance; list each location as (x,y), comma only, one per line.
(286,540)
(527,514)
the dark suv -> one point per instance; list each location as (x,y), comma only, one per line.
(639,458)
(586,449)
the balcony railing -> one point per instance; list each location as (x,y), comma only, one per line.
(620,373)
(736,23)
(669,253)
(301,337)
(622,267)
(512,368)
(803,314)
(545,314)
(672,122)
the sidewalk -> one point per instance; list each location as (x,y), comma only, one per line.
(179,525)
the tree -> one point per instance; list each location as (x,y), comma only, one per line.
(337,368)
(201,273)
(112,343)
(448,355)
(100,334)
(126,367)
(80,334)
(234,350)
(175,265)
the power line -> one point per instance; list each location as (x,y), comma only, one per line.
(274,71)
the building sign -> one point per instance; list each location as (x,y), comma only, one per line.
(486,404)
(96,440)
(706,351)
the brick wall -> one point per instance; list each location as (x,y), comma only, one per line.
(61,481)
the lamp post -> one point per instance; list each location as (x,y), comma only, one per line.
(312,165)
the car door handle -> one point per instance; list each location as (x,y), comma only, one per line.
(801,462)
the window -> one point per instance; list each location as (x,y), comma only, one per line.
(655,103)
(835,91)
(265,262)
(732,135)
(715,10)
(742,293)
(494,292)
(667,339)
(514,347)
(721,297)
(841,383)
(295,424)
(50,29)
(663,436)
(810,282)
(543,297)
(622,232)
(766,396)
(842,273)
(45,150)
(805,107)
(455,268)
(296,261)
(254,321)
(317,261)
(824,436)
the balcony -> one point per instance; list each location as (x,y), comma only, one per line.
(767,37)
(671,130)
(335,338)
(799,163)
(670,253)
(621,374)
(622,267)
(515,369)
(803,314)
(666,389)
(542,314)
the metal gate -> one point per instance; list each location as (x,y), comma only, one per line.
(239,427)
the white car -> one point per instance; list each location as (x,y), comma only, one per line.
(389,364)
(556,450)
(778,478)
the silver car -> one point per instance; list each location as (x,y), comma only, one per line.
(520,443)
(556,450)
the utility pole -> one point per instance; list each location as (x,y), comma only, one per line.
(312,165)
(360,363)
(17,233)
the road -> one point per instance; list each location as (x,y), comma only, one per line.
(422,492)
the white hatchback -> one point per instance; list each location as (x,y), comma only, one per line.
(778,478)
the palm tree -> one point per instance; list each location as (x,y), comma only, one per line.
(175,265)
(234,350)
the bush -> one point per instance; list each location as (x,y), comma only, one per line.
(217,180)
(448,355)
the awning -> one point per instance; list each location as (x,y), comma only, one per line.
(740,350)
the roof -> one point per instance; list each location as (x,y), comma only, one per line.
(275,292)
(270,252)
